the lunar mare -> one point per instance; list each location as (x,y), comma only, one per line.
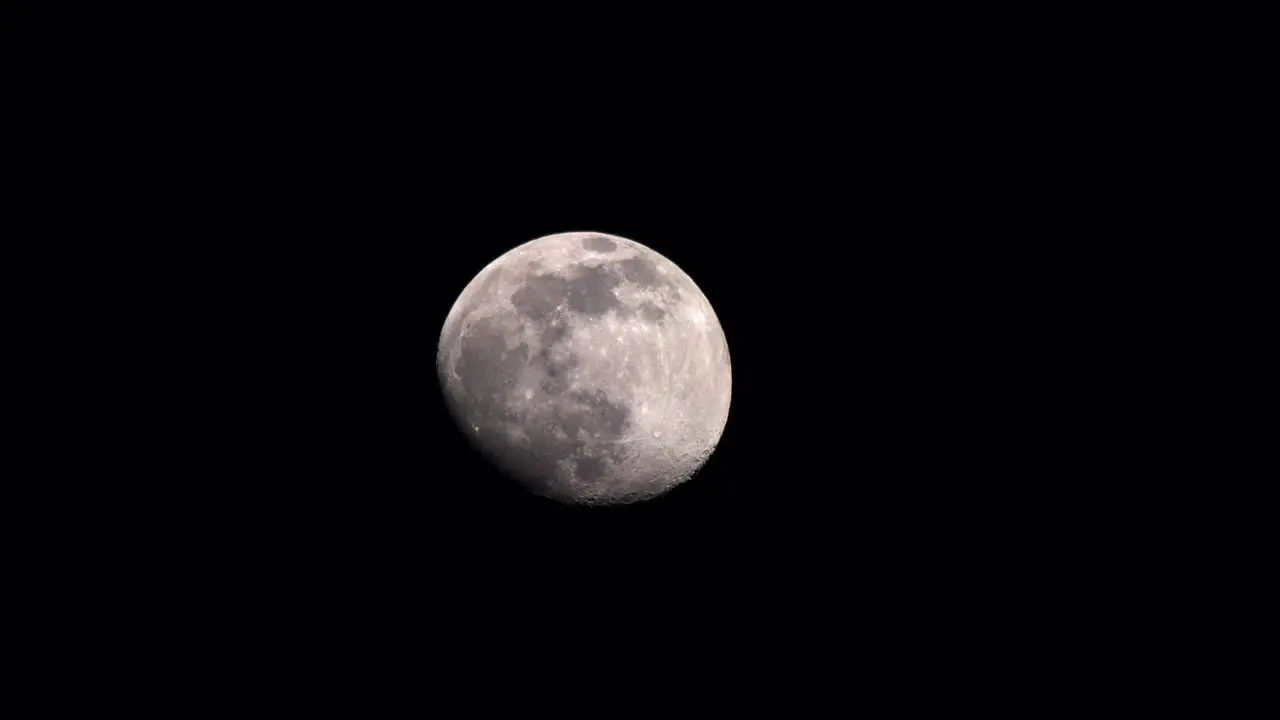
(587,366)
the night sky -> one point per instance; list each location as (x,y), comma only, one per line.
(302,193)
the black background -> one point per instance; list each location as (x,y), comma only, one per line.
(291,199)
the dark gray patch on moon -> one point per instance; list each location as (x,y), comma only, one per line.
(640,270)
(576,421)
(555,371)
(478,296)
(554,384)
(558,438)
(486,367)
(607,418)
(591,291)
(589,469)
(540,296)
(580,424)
(553,332)
(599,243)
(652,312)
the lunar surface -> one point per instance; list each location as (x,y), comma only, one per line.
(588,367)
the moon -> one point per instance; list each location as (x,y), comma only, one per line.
(588,367)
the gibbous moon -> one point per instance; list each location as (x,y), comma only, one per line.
(588,367)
